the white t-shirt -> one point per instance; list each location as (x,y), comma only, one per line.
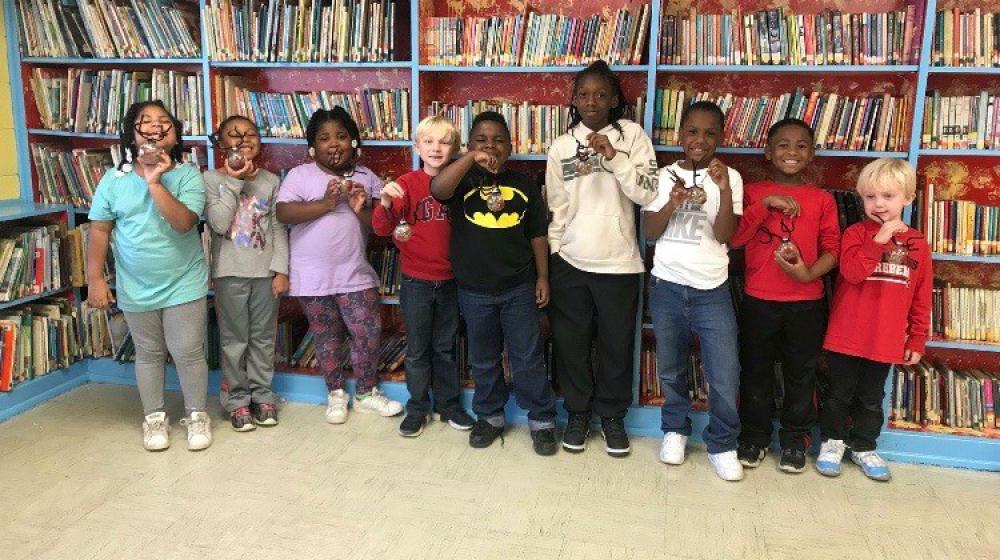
(687,252)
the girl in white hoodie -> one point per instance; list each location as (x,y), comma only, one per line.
(597,172)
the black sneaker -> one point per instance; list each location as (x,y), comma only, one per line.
(264,414)
(458,419)
(544,441)
(574,437)
(412,425)
(615,438)
(241,419)
(750,455)
(792,460)
(483,434)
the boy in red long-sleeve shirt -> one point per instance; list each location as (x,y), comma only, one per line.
(792,238)
(428,295)
(880,316)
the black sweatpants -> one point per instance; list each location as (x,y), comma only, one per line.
(857,389)
(585,305)
(790,332)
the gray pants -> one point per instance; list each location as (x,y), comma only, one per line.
(179,329)
(248,312)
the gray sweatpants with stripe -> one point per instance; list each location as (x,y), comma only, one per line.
(248,313)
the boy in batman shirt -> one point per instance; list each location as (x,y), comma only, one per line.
(499,255)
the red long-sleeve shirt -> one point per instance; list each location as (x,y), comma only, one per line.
(815,231)
(880,307)
(426,255)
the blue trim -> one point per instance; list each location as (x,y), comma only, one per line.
(522,69)
(414,79)
(960,345)
(30,394)
(787,68)
(389,300)
(992,259)
(970,152)
(916,129)
(108,61)
(528,157)
(967,452)
(16,209)
(206,89)
(760,151)
(98,135)
(31,298)
(984,70)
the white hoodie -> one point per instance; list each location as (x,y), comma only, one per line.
(593,215)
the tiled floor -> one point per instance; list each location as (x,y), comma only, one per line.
(75,484)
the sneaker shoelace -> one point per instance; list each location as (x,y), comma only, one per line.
(615,429)
(155,425)
(241,411)
(871,459)
(478,427)
(196,427)
(578,422)
(377,398)
(831,451)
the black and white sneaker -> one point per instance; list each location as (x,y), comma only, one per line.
(483,434)
(615,438)
(750,455)
(458,419)
(574,438)
(412,425)
(792,460)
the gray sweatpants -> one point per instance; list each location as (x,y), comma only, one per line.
(179,329)
(248,312)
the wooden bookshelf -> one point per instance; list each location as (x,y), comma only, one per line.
(550,85)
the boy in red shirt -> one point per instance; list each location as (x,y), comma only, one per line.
(880,316)
(428,295)
(792,239)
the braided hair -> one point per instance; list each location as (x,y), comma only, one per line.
(127,143)
(338,115)
(600,69)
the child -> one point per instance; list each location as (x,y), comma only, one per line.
(596,174)
(249,272)
(428,294)
(500,258)
(152,204)
(326,203)
(690,290)
(792,239)
(880,316)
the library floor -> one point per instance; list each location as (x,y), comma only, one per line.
(75,483)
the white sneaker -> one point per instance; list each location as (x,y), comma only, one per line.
(376,402)
(336,406)
(872,464)
(831,453)
(727,465)
(156,431)
(199,427)
(672,451)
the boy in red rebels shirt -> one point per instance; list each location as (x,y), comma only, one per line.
(428,295)
(792,239)
(880,316)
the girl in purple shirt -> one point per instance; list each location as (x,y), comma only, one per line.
(327,205)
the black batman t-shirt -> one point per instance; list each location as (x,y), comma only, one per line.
(491,251)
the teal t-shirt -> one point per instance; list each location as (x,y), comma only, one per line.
(155,265)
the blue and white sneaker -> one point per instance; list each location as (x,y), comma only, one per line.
(872,464)
(830,456)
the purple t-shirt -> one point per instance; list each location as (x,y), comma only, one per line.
(327,254)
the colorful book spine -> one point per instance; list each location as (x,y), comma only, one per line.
(966,313)
(966,38)
(938,398)
(963,227)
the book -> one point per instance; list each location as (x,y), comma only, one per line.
(965,313)
(961,122)
(968,38)
(933,396)
(962,227)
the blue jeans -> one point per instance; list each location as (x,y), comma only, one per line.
(430,312)
(677,311)
(493,320)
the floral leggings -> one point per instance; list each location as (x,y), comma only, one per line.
(331,319)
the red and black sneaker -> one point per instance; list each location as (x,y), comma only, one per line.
(264,414)
(241,419)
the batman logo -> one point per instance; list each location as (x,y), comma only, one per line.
(474,205)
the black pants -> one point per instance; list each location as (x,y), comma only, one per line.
(857,389)
(790,332)
(584,304)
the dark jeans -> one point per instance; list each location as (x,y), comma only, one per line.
(790,332)
(509,318)
(677,311)
(585,306)
(857,389)
(430,311)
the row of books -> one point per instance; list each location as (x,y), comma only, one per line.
(939,398)
(966,38)
(88,100)
(650,391)
(967,121)
(107,28)
(533,39)
(70,176)
(36,339)
(963,227)
(959,313)
(775,36)
(385,260)
(874,122)
(33,259)
(381,114)
(301,31)
(533,126)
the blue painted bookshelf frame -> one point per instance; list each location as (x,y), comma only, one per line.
(898,445)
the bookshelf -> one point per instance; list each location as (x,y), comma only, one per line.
(545,84)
